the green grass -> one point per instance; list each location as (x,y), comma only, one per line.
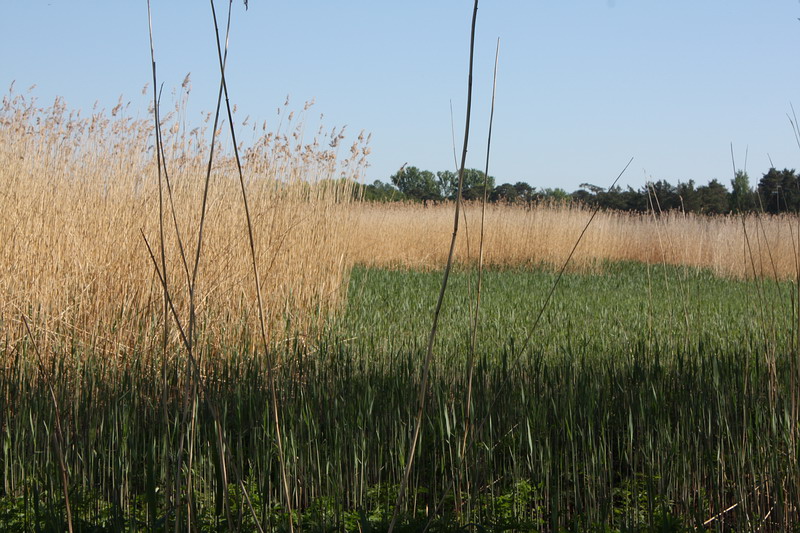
(645,401)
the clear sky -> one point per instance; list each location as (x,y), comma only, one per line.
(583,85)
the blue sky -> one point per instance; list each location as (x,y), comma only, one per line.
(583,85)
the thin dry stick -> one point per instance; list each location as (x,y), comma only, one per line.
(173,212)
(769,322)
(476,316)
(732,507)
(429,354)
(203,207)
(194,379)
(190,393)
(744,226)
(795,372)
(193,281)
(58,437)
(191,365)
(762,301)
(453,135)
(516,358)
(221,441)
(257,280)
(176,492)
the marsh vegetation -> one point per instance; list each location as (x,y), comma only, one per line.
(658,391)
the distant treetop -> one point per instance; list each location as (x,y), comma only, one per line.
(777,191)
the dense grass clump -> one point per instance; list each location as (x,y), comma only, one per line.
(648,398)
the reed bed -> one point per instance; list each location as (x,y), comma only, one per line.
(417,236)
(650,396)
(619,418)
(79,193)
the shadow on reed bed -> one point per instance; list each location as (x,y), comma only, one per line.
(606,424)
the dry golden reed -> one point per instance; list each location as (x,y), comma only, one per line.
(415,236)
(77,193)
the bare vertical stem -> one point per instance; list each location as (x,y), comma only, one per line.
(429,353)
(257,281)
(193,280)
(476,316)
(794,294)
(176,492)
(193,378)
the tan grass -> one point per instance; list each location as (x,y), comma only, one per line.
(75,192)
(415,236)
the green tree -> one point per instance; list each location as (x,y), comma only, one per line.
(417,184)
(610,199)
(472,187)
(741,193)
(778,190)
(634,200)
(622,200)
(662,195)
(689,198)
(379,191)
(504,193)
(584,196)
(447,181)
(557,194)
(714,198)
(525,193)
(474,182)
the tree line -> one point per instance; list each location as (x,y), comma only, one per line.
(777,191)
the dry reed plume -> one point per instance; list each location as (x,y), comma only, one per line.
(76,192)
(414,236)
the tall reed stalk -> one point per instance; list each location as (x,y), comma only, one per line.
(449,265)
(269,354)
(476,313)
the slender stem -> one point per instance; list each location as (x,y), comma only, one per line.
(193,280)
(476,315)
(176,492)
(257,281)
(429,353)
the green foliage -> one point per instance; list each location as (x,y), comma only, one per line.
(525,193)
(520,192)
(627,411)
(417,184)
(380,192)
(448,183)
(424,185)
(713,198)
(690,199)
(661,196)
(557,194)
(742,196)
(779,191)
(504,193)
(474,183)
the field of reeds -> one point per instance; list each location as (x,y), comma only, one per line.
(658,391)
(417,236)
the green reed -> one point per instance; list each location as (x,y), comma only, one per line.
(645,400)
